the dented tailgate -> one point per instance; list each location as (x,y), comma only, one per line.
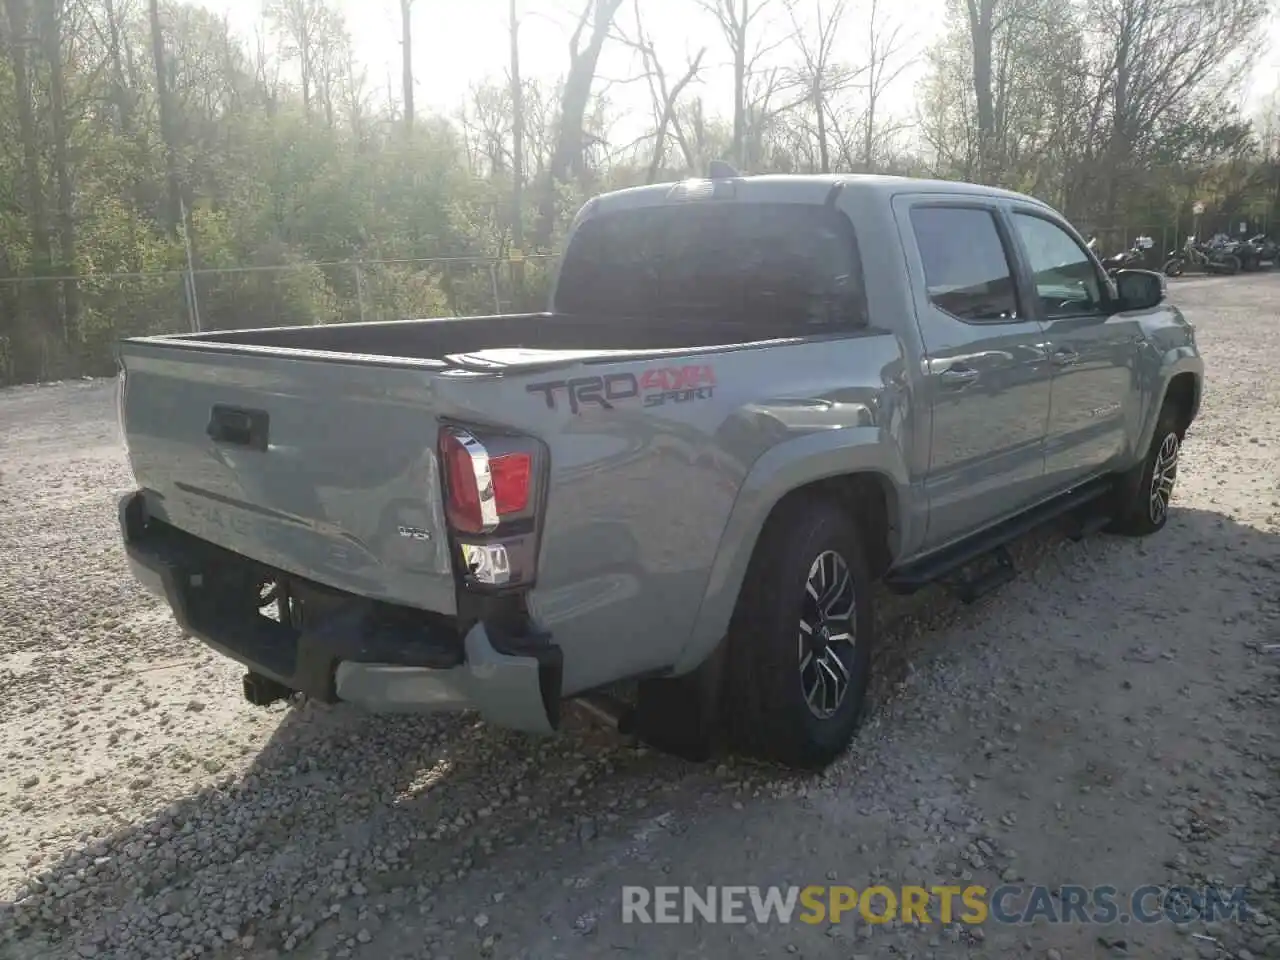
(324,470)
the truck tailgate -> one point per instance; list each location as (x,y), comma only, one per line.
(300,465)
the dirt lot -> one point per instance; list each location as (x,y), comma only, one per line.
(1108,718)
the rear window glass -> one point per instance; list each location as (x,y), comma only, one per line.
(789,267)
(965,266)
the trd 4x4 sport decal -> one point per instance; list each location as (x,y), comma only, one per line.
(653,388)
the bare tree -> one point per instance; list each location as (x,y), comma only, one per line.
(357,93)
(113,35)
(406,60)
(301,26)
(820,76)
(885,64)
(52,14)
(331,59)
(517,156)
(19,36)
(266,72)
(584,58)
(487,128)
(983,24)
(665,96)
(168,132)
(736,18)
(1157,56)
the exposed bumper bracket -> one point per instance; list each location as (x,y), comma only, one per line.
(350,655)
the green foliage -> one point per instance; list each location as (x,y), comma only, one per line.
(324,209)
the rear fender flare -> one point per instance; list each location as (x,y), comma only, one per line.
(787,467)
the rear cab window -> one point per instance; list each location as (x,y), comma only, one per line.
(775,269)
(966,265)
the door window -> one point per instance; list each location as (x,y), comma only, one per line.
(966,267)
(1067,283)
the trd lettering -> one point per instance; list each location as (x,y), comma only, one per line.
(600,391)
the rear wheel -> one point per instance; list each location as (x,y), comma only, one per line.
(800,640)
(1144,493)
(1173,267)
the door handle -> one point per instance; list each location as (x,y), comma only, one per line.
(1064,356)
(958,376)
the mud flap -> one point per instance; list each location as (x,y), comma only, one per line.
(681,715)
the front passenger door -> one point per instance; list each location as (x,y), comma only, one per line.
(1092,350)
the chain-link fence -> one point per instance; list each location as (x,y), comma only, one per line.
(55,327)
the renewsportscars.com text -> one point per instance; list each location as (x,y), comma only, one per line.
(970,905)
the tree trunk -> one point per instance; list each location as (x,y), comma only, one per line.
(167,134)
(567,155)
(121,91)
(1117,144)
(819,106)
(51,39)
(517,164)
(668,118)
(740,86)
(873,94)
(406,59)
(37,351)
(980,31)
(304,54)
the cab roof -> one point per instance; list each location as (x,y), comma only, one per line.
(789,188)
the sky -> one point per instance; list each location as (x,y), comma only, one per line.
(458,43)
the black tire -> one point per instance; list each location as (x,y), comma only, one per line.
(765,707)
(1136,512)
(1173,267)
(1230,264)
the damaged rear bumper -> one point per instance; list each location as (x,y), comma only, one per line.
(348,648)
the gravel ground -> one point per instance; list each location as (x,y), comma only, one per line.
(1109,717)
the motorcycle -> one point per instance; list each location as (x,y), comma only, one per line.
(1247,252)
(1212,257)
(1120,261)
(1264,252)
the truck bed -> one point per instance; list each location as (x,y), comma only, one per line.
(526,335)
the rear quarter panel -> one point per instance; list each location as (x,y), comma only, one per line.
(642,490)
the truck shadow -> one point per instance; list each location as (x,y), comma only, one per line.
(1214,549)
(341,811)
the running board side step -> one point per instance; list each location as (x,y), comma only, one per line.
(1002,569)
(950,560)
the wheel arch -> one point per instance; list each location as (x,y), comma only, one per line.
(1176,374)
(853,467)
(1183,391)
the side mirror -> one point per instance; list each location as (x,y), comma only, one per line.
(1140,289)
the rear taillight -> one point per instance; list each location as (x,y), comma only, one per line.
(480,489)
(489,498)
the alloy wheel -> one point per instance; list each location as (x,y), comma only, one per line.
(1163,474)
(827,634)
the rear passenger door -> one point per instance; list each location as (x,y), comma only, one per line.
(986,378)
(1091,348)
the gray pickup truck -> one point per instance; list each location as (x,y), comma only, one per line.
(750,399)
